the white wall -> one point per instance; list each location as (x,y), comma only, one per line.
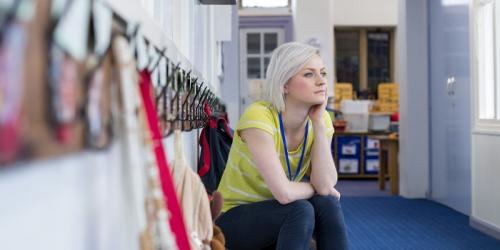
(365,12)
(412,75)
(485,184)
(230,85)
(74,202)
(314,21)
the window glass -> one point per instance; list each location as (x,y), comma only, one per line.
(347,57)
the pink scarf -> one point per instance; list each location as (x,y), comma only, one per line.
(171,202)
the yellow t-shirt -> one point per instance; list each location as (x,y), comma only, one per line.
(241,182)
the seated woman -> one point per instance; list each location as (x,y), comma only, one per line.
(278,185)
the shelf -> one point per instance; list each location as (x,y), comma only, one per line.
(359,154)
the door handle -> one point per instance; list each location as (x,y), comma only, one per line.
(450,85)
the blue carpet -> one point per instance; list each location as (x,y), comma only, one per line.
(399,223)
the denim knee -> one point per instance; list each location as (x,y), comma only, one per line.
(327,200)
(302,210)
(326,204)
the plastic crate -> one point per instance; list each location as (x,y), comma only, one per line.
(379,122)
(360,106)
(342,91)
(356,122)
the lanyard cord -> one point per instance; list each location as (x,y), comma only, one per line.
(304,145)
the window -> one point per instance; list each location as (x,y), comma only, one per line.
(363,58)
(264,3)
(378,59)
(347,57)
(487,58)
(258,46)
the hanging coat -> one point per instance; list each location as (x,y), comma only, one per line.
(193,199)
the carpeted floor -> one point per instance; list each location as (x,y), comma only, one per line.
(398,223)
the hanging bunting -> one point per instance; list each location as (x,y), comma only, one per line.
(68,46)
(97,80)
(12,88)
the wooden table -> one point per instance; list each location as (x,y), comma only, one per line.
(389,150)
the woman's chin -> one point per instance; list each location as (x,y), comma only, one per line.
(319,100)
(316,101)
(313,100)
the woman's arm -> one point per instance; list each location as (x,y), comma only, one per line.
(323,172)
(262,149)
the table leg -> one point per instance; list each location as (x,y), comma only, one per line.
(381,169)
(393,168)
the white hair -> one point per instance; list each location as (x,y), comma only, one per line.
(286,61)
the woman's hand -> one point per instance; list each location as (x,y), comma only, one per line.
(316,112)
(335,193)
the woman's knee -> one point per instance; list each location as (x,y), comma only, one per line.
(302,209)
(329,199)
(326,202)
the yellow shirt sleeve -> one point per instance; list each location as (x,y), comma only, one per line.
(328,125)
(258,115)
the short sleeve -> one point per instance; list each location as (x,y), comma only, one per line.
(328,125)
(257,115)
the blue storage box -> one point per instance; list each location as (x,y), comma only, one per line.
(349,154)
(371,164)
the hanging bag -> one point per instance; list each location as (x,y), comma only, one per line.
(215,141)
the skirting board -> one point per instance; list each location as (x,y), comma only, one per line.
(485,227)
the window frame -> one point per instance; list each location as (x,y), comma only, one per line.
(262,54)
(245,90)
(479,125)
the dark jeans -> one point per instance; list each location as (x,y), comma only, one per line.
(267,223)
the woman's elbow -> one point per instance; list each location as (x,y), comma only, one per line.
(282,197)
(323,191)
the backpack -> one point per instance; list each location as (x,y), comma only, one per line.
(215,141)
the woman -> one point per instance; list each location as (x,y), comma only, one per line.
(278,185)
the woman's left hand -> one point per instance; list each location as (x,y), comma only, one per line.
(316,112)
(335,192)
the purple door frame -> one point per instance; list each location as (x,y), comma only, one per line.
(284,22)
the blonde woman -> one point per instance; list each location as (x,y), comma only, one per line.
(278,185)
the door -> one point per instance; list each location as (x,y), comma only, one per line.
(256,46)
(450,81)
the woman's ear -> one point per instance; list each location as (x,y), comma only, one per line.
(285,89)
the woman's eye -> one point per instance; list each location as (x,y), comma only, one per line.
(309,74)
(324,74)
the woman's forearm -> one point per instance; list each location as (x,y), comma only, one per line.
(298,191)
(323,172)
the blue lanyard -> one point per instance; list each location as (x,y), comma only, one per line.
(304,145)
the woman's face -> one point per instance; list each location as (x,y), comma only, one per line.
(309,84)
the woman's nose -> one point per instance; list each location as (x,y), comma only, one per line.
(321,81)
